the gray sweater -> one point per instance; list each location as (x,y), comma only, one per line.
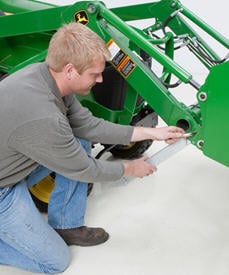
(38,126)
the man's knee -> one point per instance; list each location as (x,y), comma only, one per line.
(59,265)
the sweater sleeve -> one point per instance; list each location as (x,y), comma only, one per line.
(85,125)
(51,143)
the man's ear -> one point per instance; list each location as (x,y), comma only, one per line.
(69,70)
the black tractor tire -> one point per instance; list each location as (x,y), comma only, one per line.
(132,151)
(136,149)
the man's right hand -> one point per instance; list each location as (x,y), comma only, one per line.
(138,168)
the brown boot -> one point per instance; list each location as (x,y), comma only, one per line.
(83,236)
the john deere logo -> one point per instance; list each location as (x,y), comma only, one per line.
(81,17)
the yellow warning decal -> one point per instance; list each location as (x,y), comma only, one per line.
(120,59)
(81,17)
(127,67)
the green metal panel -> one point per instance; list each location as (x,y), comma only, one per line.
(17,6)
(31,22)
(214,103)
(19,51)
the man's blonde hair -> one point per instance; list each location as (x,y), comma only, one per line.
(77,44)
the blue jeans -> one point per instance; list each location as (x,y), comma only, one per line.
(27,241)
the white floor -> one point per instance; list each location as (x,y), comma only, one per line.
(174,222)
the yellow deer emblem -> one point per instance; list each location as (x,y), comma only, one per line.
(81,17)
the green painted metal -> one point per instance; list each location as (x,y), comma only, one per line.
(31,22)
(142,43)
(24,38)
(23,6)
(213,99)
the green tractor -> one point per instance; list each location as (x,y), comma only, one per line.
(134,91)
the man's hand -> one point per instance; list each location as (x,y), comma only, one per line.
(169,133)
(138,168)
